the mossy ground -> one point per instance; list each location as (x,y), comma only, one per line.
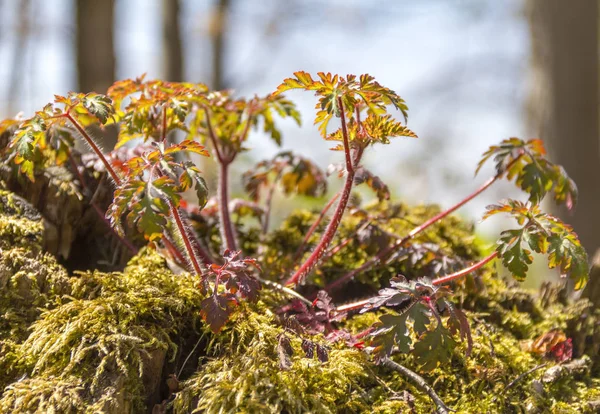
(108,342)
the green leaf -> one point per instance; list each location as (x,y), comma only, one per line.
(191,177)
(567,254)
(392,330)
(526,163)
(434,348)
(514,256)
(544,234)
(99,105)
(353,92)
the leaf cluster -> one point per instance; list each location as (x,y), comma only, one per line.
(45,130)
(236,277)
(526,163)
(152,187)
(540,233)
(228,120)
(296,174)
(419,305)
(352,90)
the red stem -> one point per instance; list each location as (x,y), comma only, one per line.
(227,231)
(213,136)
(174,251)
(336,249)
(329,234)
(314,226)
(439,281)
(394,247)
(164,124)
(182,230)
(95,148)
(449,278)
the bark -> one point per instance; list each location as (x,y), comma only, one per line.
(218,30)
(172,48)
(95,46)
(563,103)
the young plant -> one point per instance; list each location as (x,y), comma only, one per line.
(151,180)
(226,123)
(346,97)
(518,160)
(425,299)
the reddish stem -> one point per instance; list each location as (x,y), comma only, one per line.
(174,251)
(213,136)
(336,249)
(329,234)
(314,226)
(449,278)
(95,148)
(394,247)
(227,231)
(186,240)
(439,281)
(164,124)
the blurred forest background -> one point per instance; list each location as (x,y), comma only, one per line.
(473,72)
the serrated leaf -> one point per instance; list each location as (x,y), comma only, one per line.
(362,175)
(514,257)
(434,348)
(526,163)
(191,176)
(352,91)
(187,146)
(567,254)
(541,233)
(99,105)
(216,309)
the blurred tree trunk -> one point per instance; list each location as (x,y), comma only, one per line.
(563,103)
(95,48)
(172,49)
(17,69)
(217,31)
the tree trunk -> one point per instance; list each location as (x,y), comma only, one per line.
(563,103)
(95,47)
(218,30)
(172,50)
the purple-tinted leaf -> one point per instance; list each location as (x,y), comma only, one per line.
(285,352)
(215,310)
(322,353)
(309,348)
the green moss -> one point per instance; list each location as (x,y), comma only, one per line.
(451,235)
(106,342)
(242,373)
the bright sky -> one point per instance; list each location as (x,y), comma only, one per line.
(460,65)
